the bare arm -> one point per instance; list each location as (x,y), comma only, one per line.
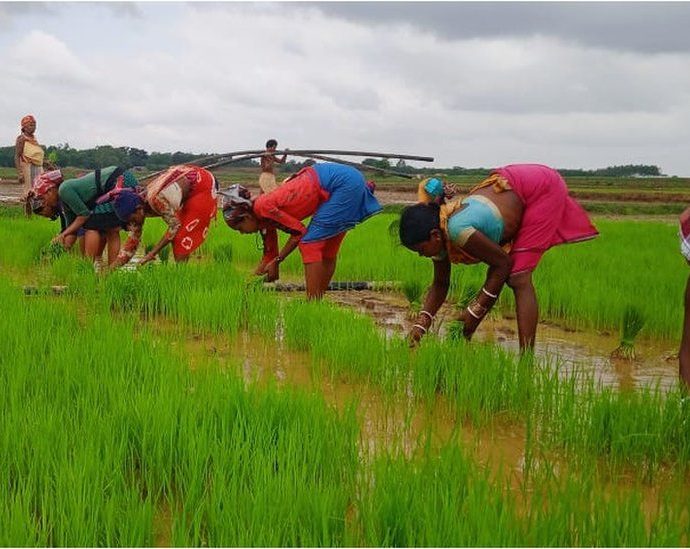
(169,215)
(500,264)
(71,230)
(288,248)
(432,302)
(130,246)
(162,243)
(18,149)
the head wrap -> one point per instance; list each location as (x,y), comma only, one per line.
(128,180)
(429,190)
(125,202)
(27,119)
(236,203)
(46,181)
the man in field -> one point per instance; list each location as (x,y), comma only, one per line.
(267,179)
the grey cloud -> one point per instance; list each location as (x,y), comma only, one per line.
(10,10)
(651,27)
(124,9)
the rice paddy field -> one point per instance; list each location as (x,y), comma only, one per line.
(190,405)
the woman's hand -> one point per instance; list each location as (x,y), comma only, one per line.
(469,324)
(269,270)
(272,272)
(414,336)
(59,239)
(147,259)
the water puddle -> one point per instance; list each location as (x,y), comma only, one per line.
(391,422)
(397,423)
(656,361)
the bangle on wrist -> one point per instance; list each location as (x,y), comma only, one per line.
(428,314)
(478,317)
(422,328)
(492,296)
(477,310)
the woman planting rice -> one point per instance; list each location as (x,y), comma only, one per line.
(76,200)
(184,196)
(338,198)
(508,221)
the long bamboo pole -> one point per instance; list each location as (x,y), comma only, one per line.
(238,156)
(331,151)
(358,165)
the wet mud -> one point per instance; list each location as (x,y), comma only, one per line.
(566,349)
(399,423)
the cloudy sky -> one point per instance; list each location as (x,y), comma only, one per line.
(573,85)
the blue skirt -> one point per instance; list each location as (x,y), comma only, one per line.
(350,202)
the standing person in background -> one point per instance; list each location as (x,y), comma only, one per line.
(684,353)
(28,154)
(267,179)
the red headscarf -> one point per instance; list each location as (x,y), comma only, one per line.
(46,181)
(27,119)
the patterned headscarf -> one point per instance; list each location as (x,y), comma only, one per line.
(46,181)
(27,119)
(237,203)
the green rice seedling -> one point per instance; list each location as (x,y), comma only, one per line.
(633,322)
(222,253)
(454,329)
(467,295)
(164,254)
(52,250)
(394,231)
(441,501)
(413,289)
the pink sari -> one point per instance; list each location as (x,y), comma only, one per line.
(550,217)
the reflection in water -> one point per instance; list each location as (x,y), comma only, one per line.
(400,423)
(567,350)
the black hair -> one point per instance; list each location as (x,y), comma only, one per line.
(271,143)
(417,222)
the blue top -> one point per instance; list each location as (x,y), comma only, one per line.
(350,201)
(479,214)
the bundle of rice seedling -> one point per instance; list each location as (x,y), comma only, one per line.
(633,322)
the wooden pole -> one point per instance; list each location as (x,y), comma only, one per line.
(238,156)
(337,152)
(358,165)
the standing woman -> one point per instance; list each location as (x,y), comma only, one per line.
(28,154)
(508,221)
(338,198)
(185,196)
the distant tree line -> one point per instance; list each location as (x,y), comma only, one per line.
(629,170)
(106,155)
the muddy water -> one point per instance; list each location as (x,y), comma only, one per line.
(588,351)
(394,423)
(388,423)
